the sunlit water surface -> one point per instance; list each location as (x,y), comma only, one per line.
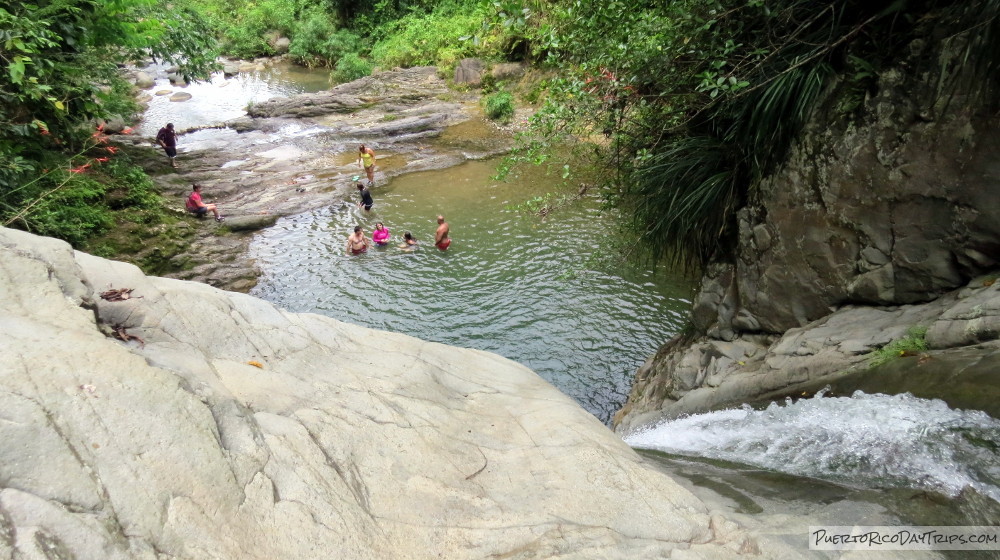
(552,295)
(219,99)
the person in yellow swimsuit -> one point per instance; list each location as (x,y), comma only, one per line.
(366,157)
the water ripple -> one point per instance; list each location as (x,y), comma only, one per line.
(510,283)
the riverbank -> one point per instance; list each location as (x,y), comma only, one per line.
(297,154)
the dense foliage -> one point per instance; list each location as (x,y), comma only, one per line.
(499,106)
(699,99)
(351,37)
(59,80)
(685,105)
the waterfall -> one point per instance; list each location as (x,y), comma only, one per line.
(877,441)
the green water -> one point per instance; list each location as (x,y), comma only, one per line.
(551,294)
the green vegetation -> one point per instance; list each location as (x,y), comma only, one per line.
(319,43)
(683,110)
(910,345)
(499,106)
(351,67)
(428,39)
(60,77)
(695,102)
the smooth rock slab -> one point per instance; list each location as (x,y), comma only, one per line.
(250,223)
(216,426)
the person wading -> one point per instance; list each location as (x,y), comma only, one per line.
(357,243)
(441,239)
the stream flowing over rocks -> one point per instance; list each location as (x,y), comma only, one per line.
(188,422)
(295,154)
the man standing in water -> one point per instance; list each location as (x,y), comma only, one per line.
(167,139)
(366,157)
(357,243)
(441,239)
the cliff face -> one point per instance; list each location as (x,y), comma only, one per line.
(189,422)
(897,208)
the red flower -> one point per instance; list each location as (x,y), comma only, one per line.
(102,159)
(80,169)
(100,127)
(127,130)
(111,149)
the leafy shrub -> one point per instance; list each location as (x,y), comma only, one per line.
(72,211)
(316,41)
(427,39)
(350,67)
(499,106)
(245,27)
(140,191)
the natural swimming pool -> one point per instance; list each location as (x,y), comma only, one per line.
(552,294)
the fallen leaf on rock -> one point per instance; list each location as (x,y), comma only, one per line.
(121,294)
(121,334)
(256,364)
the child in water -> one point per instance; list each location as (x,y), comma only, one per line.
(381,235)
(409,243)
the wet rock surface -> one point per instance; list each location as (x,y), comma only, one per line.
(961,364)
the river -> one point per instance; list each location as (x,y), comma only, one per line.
(554,294)
(549,293)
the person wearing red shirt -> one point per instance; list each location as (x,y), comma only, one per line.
(197,207)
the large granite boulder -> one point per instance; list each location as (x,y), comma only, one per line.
(894,210)
(187,422)
(469,71)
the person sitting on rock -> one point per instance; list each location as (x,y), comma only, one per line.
(195,205)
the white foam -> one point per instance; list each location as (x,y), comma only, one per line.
(870,440)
